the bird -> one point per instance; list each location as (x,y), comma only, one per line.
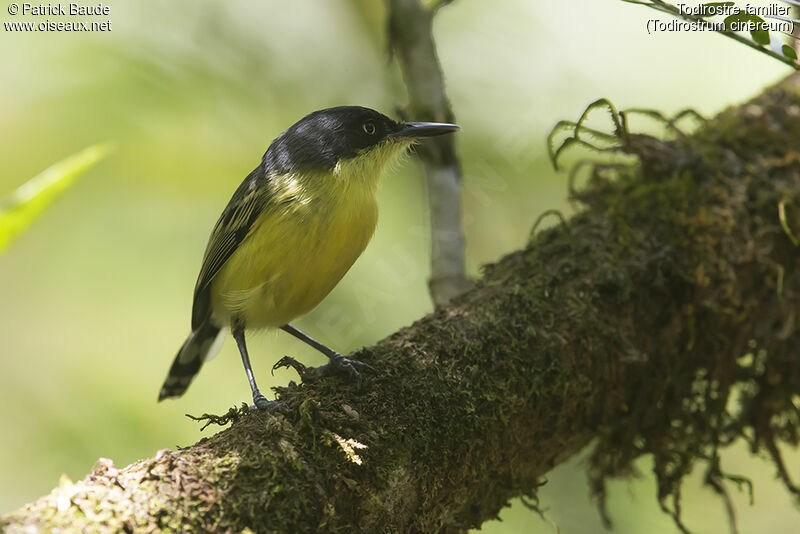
(289,233)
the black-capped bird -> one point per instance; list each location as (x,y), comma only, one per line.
(290,232)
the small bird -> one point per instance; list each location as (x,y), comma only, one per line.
(290,232)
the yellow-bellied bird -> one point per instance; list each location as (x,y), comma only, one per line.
(290,232)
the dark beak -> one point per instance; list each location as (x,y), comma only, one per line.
(415,130)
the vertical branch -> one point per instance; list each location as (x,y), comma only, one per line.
(411,38)
(795,43)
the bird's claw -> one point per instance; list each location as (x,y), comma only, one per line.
(338,364)
(341,365)
(288,361)
(260,402)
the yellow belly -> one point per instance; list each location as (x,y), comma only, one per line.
(291,259)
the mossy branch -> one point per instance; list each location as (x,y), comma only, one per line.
(661,319)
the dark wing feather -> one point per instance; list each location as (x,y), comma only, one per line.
(231,229)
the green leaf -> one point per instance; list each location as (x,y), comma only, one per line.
(789,52)
(19,209)
(761,36)
(736,17)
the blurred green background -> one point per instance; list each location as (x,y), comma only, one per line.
(95,297)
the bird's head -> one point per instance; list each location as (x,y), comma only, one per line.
(349,142)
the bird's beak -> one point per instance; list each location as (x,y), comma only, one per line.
(416,130)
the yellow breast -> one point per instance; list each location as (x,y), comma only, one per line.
(302,244)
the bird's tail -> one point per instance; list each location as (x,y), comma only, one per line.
(201,345)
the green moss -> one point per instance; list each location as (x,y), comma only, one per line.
(715,207)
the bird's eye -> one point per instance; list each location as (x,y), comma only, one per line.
(368,127)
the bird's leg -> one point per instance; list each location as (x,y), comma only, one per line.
(338,363)
(259,401)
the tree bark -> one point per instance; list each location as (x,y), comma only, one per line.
(637,323)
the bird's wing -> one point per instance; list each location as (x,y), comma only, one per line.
(231,229)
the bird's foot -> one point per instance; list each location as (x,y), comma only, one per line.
(260,402)
(345,366)
(306,373)
(338,365)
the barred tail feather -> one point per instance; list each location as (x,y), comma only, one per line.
(201,345)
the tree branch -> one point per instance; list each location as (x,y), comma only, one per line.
(637,324)
(411,37)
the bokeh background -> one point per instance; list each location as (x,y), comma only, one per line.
(95,297)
